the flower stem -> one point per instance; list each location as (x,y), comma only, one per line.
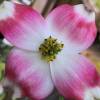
(8,93)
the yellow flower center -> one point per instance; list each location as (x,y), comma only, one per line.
(50,48)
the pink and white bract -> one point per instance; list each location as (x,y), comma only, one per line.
(72,74)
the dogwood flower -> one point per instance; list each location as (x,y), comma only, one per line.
(47,51)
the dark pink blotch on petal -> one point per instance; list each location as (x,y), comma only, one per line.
(82,31)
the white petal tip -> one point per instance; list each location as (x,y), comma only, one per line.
(92,94)
(88,96)
(81,10)
(6,42)
(1,89)
(17,93)
(6,10)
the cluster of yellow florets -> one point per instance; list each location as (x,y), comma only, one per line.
(50,48)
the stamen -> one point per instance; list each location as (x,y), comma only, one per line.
(50,48)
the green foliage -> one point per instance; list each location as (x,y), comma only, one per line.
(97,2)
(4,49)
(61,98)
(2,66)
(1,1)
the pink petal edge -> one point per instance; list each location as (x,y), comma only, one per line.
(73,75)
(24,27)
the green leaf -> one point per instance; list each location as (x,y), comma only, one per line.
(2,66)
(61,98)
